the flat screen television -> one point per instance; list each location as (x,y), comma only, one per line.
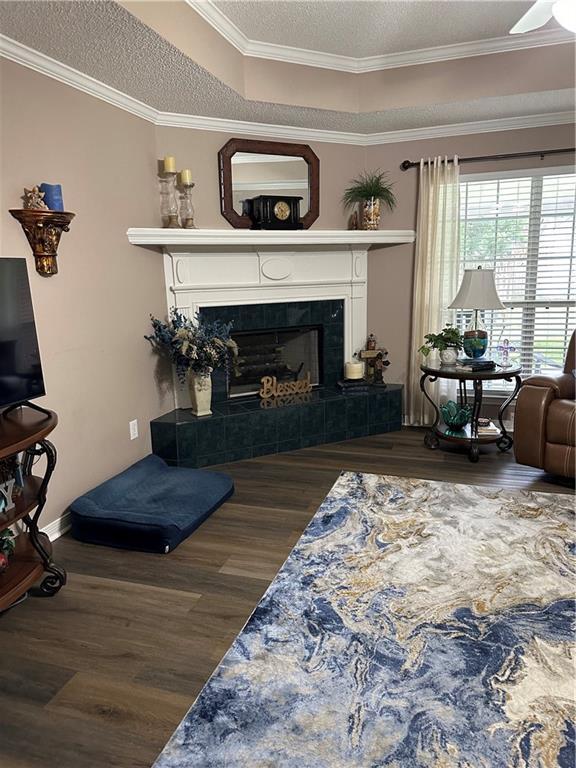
(20,367)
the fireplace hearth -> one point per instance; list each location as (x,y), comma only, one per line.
(286,340)
(246,427)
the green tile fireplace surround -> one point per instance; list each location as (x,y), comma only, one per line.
(243,429)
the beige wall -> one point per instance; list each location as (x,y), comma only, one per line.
(198,150)
(91,317)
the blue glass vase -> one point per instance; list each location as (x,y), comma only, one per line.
(475,339)
(475,343)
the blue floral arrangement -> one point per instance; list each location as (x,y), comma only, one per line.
(194,345)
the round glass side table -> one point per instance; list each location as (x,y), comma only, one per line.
(469,435)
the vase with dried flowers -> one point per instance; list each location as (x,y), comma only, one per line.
(196,347)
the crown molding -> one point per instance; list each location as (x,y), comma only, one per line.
(45,65)
(268,130)
(362,139)
(292,55)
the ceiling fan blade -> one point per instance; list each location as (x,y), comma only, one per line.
(534,18)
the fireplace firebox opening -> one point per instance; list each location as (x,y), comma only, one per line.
(289,354)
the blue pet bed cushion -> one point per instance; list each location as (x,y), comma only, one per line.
(150,506)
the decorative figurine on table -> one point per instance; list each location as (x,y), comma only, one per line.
(380,364)
(376,360)
(504,349)
(34,199)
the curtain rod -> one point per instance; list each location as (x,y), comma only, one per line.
(406,164)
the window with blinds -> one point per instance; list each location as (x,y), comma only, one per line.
(523,227)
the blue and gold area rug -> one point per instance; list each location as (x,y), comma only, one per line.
(415,624)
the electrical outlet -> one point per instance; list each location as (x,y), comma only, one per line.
(133,429)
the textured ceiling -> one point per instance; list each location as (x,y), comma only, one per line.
(362,28)
(105,41)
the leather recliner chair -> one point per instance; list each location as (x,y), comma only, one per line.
(545,420)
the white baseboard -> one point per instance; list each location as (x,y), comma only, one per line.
(58,527)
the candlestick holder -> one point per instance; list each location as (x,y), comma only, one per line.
(186,206)
(169,201)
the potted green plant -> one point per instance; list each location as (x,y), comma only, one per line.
(195,346)
(448,343)
(370,190)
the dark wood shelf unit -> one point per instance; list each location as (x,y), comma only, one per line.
(24,431)
(25,503)
(25,569)
(23,427)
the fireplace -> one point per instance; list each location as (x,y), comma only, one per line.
(286,339)
(264,282)
(287,354)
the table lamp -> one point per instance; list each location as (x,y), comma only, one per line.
(477,292)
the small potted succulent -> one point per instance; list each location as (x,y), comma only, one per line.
(195,346)
(7,547)
(448,343)
(370,190)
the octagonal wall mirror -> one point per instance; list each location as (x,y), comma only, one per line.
(249,168)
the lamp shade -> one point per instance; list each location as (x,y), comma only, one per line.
(477,291)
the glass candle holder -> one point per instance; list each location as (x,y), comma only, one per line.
(169,201)
(186,206)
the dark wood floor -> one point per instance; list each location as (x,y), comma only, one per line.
(101,674)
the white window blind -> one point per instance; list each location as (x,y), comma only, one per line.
(523,227)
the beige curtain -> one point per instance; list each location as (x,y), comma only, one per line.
(435,276)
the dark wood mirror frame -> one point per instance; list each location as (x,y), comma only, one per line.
(266,148)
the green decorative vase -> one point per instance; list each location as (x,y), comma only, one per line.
(455,416)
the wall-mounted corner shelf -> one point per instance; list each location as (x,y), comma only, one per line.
(43,230)
(258,237)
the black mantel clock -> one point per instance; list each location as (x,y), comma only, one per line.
(273,212)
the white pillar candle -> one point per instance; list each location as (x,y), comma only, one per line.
(353,370)
(169,164)
(186,176)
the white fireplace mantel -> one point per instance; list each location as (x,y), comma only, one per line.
(258,237)
(221,267)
